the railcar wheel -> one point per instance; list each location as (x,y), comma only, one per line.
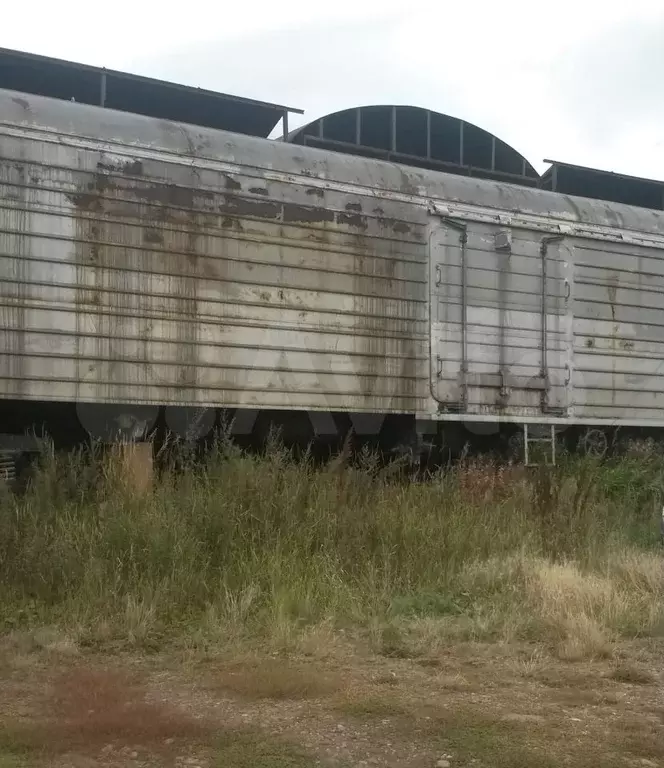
(594,442)
(190,424)
(117,423)
(516,446)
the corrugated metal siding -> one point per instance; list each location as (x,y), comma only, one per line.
(125,279)
(144,261)
(619,331)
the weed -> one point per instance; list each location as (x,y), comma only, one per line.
(275,679)
(635,675)
(371,707)
(271,547)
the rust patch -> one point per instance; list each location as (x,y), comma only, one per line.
(170,194)
(133,169)
(231,183)
(352,220)
(398,226)
(88,198)
(127,167)
(305,214)
(315,192)
(355,207)
(379,211)
(612,289)
(153,236)
(242,207)
(258,190)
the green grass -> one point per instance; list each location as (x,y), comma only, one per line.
(12,761)
(240,749)
(371,706)
(249,546)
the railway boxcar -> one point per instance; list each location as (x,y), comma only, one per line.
(155,271)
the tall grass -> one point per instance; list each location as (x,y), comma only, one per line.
(265,545)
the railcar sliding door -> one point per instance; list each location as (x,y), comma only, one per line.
(501,319)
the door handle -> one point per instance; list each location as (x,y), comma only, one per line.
(439,275)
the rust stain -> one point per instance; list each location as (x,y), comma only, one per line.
(240,206)
(231,183)
(352,220)
(189,251)
(133,169)
(171,194)
(127,168)
(151,235)
(612,289)
(305,214)
(400,227)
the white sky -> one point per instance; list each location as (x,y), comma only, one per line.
(575,80)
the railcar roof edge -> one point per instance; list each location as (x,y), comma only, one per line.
(102,124)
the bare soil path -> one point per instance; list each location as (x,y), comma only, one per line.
(334,704)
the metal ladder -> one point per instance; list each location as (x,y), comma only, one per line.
(7,467)
(549,440)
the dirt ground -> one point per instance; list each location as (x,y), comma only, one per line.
(334,704)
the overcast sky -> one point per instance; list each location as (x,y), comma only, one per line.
(574,80)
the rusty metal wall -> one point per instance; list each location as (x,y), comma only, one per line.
(147,262)
(146,277)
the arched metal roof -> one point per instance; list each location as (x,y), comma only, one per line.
(417,137)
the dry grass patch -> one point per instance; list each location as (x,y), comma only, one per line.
(48,641)
(584,639)
(572,697)
(634,674)
(641,738)
(275,678)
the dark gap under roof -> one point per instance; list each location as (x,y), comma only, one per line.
(569,179)
(57,78)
